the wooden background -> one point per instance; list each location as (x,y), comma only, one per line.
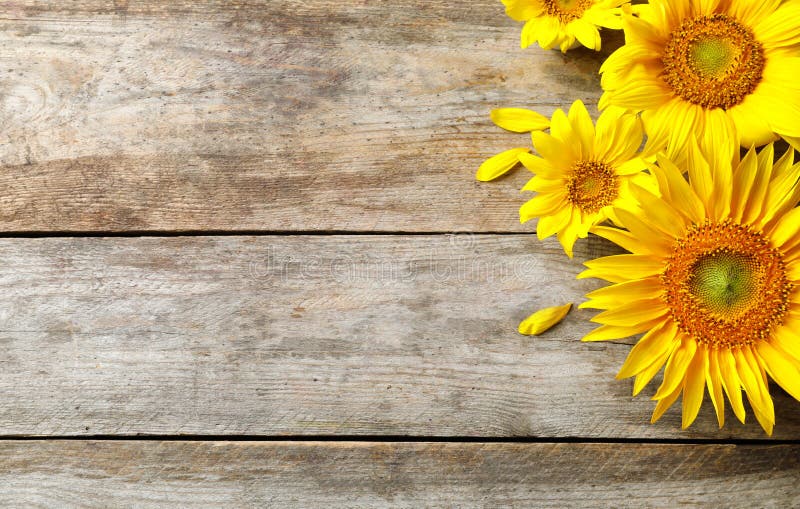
(246,264)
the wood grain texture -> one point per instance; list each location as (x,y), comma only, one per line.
(355,115)
(309,335)
(359,475)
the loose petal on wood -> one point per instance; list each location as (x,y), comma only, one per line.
(309,335)
(266,115)
(398,475)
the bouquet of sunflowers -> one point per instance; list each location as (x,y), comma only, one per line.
(680,171)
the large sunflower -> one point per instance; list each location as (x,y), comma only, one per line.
(559,23)
(710,70)
(713,279)
(583,172)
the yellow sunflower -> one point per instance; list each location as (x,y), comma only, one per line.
(583,172)
(713,279)
(560,23)
(710,70)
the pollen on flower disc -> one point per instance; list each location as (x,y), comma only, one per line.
(566,10)
(713,61)
(725,285)
(592,185)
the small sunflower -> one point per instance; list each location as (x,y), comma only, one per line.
(584,172)
(560,23)
(710,70)
(713,279)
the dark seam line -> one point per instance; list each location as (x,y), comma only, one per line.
(401,439)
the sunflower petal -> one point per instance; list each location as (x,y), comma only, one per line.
(608,332)
(675,372)
(620,268)
(651,346)
(500,164)
(694,387)
(519,120)
(544,319)
(780,369)
(731,382)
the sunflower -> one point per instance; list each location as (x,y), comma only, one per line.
(560,23)
(713,279)
(710,70)
(584,172)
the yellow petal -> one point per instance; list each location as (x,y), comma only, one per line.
(583,126)
(660,214)
(675,372)
(679,191)
(647,374)
(755,385)
(694,387)
(607,332)
(664,403)
(632,313)
(619,294)
(623,239)
(785,231)
(714,383)
(556,152)
(569,235)
(500,164)
(621,268)
(541,205)
(657,241)
(650,347)
(548,225)
(586,33)
(731,382)
(519,120)
(539,166)
(781,369)
(787,341)
(543,320)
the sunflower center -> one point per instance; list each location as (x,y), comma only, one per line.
(725,285)
(592,185)
(713,61)
(724,281)
(566,10)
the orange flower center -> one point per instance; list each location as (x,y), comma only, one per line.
(566,10)
(725,285)
(592,185)
(713,61)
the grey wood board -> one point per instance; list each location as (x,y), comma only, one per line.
(267,115)
(314,335)
(399,475)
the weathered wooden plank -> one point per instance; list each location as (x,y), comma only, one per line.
(399,475)
(265,115)
(305,335)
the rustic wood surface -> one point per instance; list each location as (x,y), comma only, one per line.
(406,475)
(260,138)
(313,335)
(266,115)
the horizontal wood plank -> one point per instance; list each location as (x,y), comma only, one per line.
(309,335)
(354,475)
(266,115)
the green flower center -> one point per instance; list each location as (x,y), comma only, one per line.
(712,57)
(725,285)
(725,282)
(713,61)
